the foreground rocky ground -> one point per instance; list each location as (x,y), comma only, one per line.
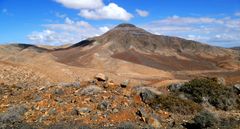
(102,103)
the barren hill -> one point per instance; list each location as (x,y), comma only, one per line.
(129,43)
(125,52)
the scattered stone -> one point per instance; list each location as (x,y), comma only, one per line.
(58,100)
(103,106)
(13,114)
(142,114)
(90,90)
(148,95)
(43,88)
(83,111)
(37,98)
(59,91)
(125,83)
(52,111)
(71,84)
(237,88)
(126,125)
(101,77)
(115,110)
(175,87)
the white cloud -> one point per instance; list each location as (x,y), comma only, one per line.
(97,10)
(112,11)
(189,20)
(81,4)
(215,31)
(142,13)
(68,21)
(104,29)
(237,14)
(68,32)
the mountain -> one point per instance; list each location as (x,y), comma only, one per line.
(124,52)
(131,44)
(236,48)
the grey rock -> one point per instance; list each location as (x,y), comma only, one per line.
(58,91)
(84,110)
(126,125)
(103,106)
(148,94)
(175,87)
(52,111)
(142,114)
(37,98)
(70,84)
(237,88)
(125,83)
(13,114)
(90,90)
(101,77)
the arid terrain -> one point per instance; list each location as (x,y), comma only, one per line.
(125,78)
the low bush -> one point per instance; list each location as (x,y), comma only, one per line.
(203,120)
(209,90)
(175,105)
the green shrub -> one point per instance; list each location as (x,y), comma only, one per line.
(216,94)
(175,105)
(203,120)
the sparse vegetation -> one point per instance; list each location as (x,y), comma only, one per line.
(209,90)
(203,120)
(175,105)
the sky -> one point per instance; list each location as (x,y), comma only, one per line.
(57,22)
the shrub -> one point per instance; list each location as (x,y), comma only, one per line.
(175,105)
(216,94)
(203,120)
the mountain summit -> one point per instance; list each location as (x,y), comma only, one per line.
(134,45)
(125,25)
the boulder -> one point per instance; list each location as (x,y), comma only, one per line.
(175,87)
(90,90)
(237,88)
(101,77)
(13,114)
(149,94)
(70,84)
(125,83)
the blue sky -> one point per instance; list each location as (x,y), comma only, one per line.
(55,22)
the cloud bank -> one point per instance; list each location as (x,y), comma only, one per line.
(68,32)
(215,31)
(97,10)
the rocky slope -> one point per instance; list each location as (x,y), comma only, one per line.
(132,44)
(102,103)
